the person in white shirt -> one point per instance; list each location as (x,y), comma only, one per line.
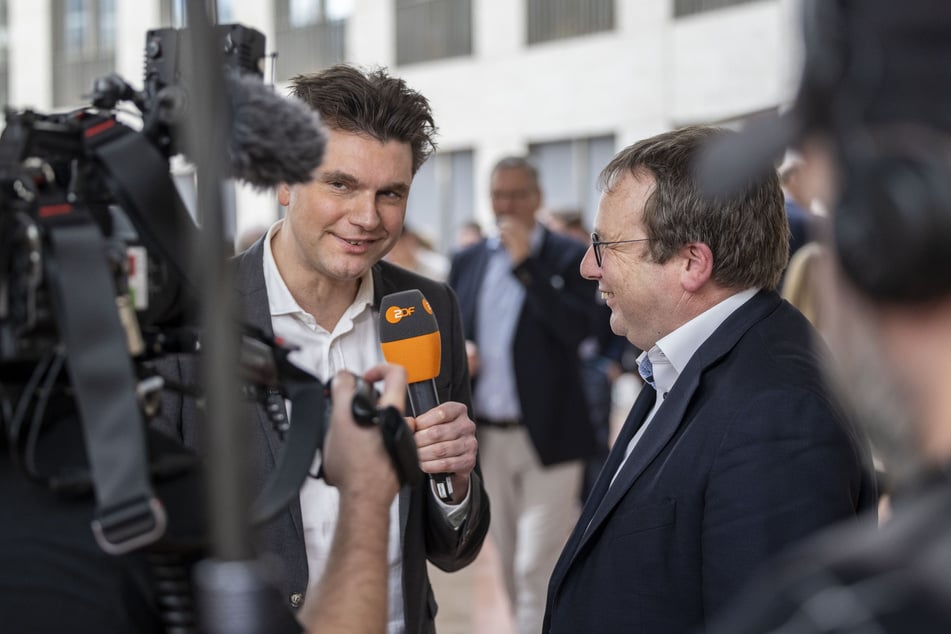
(315,281)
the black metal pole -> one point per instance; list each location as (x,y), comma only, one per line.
(232,596)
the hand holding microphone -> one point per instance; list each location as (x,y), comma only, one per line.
(445,435)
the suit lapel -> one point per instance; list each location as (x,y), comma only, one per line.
(639,411)
(666,422)
(255,310)
(662,427)
(670,415)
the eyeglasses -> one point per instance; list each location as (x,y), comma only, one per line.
(597,243)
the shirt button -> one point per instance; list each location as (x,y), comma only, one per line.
(297,598)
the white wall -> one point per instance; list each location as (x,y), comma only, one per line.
(651,73)
(31,54)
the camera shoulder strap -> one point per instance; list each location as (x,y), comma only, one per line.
(128,515)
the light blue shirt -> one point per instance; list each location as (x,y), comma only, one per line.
(499,305)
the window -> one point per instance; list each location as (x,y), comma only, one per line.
(689,7)
(310,35)
(442,197)
(224,11)
(569,171)
(84,42)
(558,19)
(432,29)
(172,13)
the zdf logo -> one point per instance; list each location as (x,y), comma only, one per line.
(394,313)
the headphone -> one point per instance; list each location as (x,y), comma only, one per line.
(892,223)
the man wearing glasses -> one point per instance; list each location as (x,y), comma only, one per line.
(525,310)
(734,449)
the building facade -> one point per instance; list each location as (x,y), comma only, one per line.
(567,81)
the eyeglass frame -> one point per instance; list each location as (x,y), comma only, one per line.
(597,244)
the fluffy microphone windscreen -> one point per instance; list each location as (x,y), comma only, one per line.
(273,139)
(409,334)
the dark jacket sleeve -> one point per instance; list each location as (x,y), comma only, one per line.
(554,288)
(447,548)
(785,469)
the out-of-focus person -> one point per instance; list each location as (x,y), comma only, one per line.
(568,221)
(416,253)
(469,233)
(249,236)
(734,449)
(805,225)
(800,286)
(879,147)
(525,311)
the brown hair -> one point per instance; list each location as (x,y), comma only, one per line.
(371,103)
(748,233)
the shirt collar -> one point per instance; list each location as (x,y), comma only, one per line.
(672,352)
(279,298)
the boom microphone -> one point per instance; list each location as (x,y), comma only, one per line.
(409,336)
(273,139)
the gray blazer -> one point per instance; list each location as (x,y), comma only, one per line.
(424,531)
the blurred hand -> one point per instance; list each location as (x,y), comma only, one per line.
(446,442)
(516,237)
(472,357)
(355,460)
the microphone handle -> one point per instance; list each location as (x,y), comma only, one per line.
(422,398)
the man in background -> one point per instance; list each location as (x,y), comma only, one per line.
(804,225)
(525,311)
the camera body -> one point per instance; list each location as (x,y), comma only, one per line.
(59,168)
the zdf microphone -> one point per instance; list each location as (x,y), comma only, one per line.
(409,336)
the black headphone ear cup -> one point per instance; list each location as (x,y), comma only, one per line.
(892,226)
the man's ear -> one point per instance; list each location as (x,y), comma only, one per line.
(697,266)
(283,194)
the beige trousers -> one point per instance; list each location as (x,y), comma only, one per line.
(534,509)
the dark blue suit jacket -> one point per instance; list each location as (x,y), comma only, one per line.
(558,313)
(748,454)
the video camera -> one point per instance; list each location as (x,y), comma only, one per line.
(94,241)
(85,168)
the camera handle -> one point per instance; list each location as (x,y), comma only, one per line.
(304,437)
